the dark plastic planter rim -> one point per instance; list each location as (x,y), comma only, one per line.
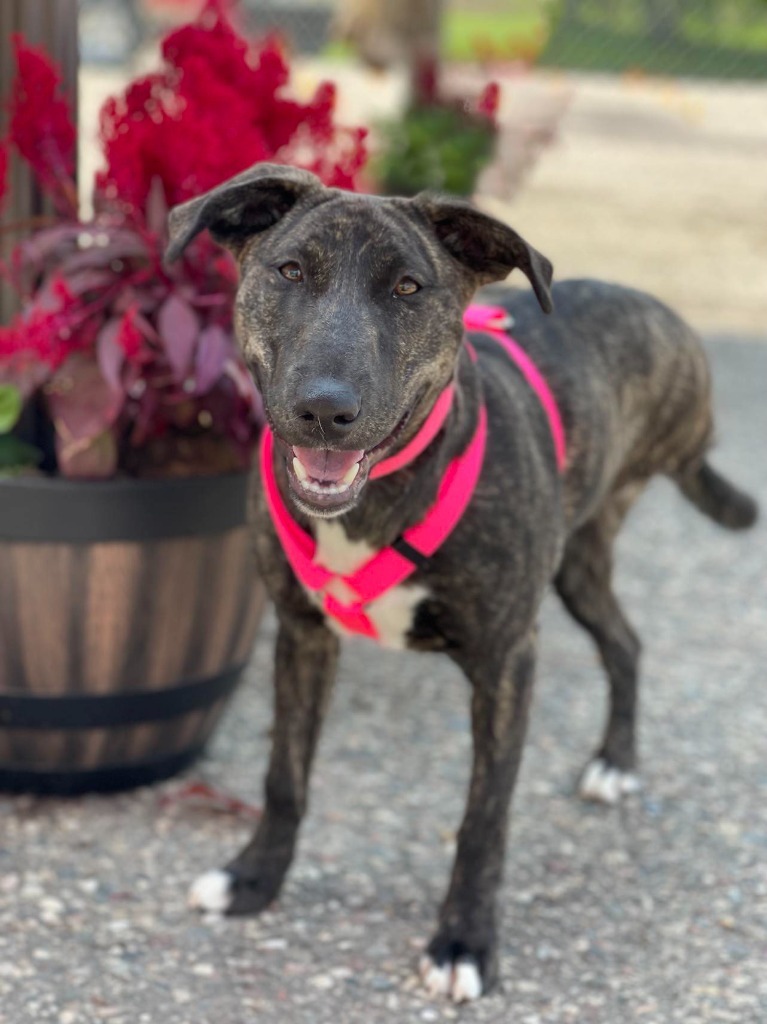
(55,510)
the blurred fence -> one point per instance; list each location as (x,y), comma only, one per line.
(702,38)
(710,38)
(307,24)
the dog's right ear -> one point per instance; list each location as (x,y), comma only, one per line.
(239,208)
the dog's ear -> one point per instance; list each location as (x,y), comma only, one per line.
(239,208)
(485,246)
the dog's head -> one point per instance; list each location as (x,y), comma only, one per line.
(349,312)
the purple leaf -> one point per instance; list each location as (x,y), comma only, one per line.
(179,329)
(146,328)
(80,401)
(110,356)
(213,350)
(236,370)
(54,242)
(48,298)
(83,281)
(93,458)
(80,247)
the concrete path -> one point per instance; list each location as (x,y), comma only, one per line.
(653,914)
(654,183)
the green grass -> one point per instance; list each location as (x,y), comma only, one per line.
(467,35)
(470,35)
(598,49)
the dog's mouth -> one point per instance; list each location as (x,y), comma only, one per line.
(328,482)
(325,479)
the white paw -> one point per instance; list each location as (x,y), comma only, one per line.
(212,892)
(606,785)
(460,981)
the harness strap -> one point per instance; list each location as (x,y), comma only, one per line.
(299,546)
(431,427)
(389,567)
(493,320)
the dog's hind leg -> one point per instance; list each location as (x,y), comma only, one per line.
(305,669)
(584,583)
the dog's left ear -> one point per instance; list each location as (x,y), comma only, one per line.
(245,205)
(485,246)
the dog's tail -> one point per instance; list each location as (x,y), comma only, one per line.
(718,498)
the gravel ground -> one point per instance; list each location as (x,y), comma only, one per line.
(656,913)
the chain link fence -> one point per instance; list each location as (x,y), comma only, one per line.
(700,38)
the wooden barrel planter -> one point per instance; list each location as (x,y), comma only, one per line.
(128,611)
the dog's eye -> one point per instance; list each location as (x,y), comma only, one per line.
(407,286)
(292,272)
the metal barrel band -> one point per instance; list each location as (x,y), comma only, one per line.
(42,510)
(103,710)
(109,778)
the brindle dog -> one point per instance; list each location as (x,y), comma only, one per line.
(349,315)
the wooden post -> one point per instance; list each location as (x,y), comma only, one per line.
(52,24)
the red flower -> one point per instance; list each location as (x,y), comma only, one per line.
(129,337)
(41,125)
(47,332)
(488,102)
(3,173)
(213,110)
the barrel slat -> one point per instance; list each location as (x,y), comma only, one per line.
(223,597)
(111,599)
(43,577)
(255,603)
(177,571)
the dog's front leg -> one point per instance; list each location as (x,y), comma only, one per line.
(305,667)
(461,959)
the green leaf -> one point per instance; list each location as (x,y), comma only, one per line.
(11,404)
(16,455)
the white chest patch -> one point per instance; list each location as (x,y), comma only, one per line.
(392,614)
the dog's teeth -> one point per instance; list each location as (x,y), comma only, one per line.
(321,488)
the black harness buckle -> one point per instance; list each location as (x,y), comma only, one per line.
(418,558)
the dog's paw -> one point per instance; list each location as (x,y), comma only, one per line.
(604,784)
(458,979)
(212,892)
(226,892)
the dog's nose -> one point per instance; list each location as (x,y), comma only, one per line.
(333,405)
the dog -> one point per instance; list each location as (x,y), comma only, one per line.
(350,315)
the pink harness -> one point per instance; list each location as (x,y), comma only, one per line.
(394,564)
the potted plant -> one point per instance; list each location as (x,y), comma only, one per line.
(128,419)
(439,142)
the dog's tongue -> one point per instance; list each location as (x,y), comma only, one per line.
(326,466)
